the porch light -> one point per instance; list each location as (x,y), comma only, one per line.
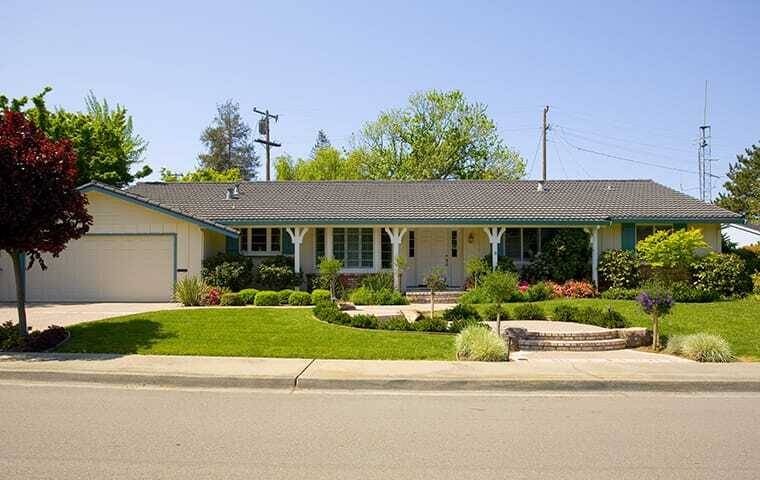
(470,238)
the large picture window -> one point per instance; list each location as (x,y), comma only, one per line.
(258,239)
(523,244)
(353,246)
(262,241)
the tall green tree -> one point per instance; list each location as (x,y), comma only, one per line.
(321,142)
(743,185)
(103,138)
(228,142)
(328,164)
(201,175)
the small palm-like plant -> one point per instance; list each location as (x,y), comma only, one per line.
(190,291)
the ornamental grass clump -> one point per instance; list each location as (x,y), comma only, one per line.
(480,344)
(656,301)
(190,291)
(701,347)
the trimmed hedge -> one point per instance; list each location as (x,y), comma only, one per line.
(330,312)
(384,296)
(490,311)
(248,295)
(284,295)
(299,299)
(267,298)
(320,295)
(529,311)
(231,300)
(589,315)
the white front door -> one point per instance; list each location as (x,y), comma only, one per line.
(454,259)
(439,247)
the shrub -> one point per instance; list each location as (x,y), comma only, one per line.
(248,295)
(564,257)
(329,271)
(619,269)
(299,299)
(565,313)
(461,312)
(476,269)
(656,301)
(10,337)
(378,281)
(365,296)
(578,289)
(213,296)
(363,321)
(491,311)
(190,291)
(529,311)
(701,347)
(36,341)
(756,283)
(276,277)
(231,271)
(499,287)
(538,292)
(475,296)
(430,324)
(330,312)
(231,300)
(619,293)
(395,323)
(601,318)
(751,256)
(671,249)
(284,296)
(723,274)
(267,298)
(478,343)
(683,292)
(320,295)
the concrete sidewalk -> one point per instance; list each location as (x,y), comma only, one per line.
(627,372)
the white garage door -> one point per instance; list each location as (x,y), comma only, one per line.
(106,268)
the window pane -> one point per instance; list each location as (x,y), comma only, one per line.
(411,244)
(339,244)
(546,235)
(454,244)
(512,243)
(275,239)
(352,248)
(530,243)
(643,231)
(386,250)
(319,243)
(243,239)
(367,260)
(259,239)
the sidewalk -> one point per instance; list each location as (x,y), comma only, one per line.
(624,372)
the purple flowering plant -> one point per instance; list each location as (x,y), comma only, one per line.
(656,301)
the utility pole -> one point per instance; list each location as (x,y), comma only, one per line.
(704,156)
(264,130)
(543,136)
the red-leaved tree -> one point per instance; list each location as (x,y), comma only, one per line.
(40,206)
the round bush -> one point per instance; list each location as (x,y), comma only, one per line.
(363,321)
(299,299)
(248,295)
(461,312)
(724,274)
(320,295)
(538,292)
(479,343)
(267,298)
(284,295)
(529,311)
(427,324)
(619,268)
(395,323)
(490,312)
(231,300)
(565,313)
(702,347)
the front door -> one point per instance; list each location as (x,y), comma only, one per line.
(454,259)
(439,247)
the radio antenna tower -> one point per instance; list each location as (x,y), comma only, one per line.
(704,155)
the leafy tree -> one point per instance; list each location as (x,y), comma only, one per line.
(229,144)
(676,250)
(328,164)
(437,135)
(103,138)
(329,270)
(743,187)
(201,175)
(40,207)
(499,288)
(321,142)
(435,281)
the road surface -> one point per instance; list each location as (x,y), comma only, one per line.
(67,431)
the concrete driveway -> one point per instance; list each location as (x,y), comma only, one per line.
(42,315)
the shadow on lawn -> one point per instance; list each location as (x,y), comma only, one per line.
(114,337)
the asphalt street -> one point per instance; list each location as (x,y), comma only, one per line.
(85,431)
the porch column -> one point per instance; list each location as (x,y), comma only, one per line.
(329,242)
(396,235)
(296,235)
(595,255)
(494,237)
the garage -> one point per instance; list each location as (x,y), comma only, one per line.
(101,267)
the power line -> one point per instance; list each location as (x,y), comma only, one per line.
(559,157)
(264,130)
(535,154)
(578,162)
(623,140)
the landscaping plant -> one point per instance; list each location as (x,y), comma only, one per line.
(723,274)
(329,270)
(619,269)
(435,282)
(566,256)
(656,301)
(460,317)
(620,293)
(476,268)
(500,287)
(702,347)
(529,311)
(491,311)
(213,296)
(430,324)
(284,295)
(299,299)
(267,298)
(11,339)
(479,343)
(395,323)
(248,295)
(231,271)
(276,277)
(401,264)
(190,291)
(318,295)
(671,254)
(231,300)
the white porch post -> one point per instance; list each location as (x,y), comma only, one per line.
(329,242)
(494,236)
(296,235)
(396,235)
(595,255)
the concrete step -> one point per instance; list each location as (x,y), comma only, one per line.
(597,335)
(448,296)
(573,345)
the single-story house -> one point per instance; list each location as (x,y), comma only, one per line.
(149,235)
(742,235)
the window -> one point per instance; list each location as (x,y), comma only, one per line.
(512,243)
(243,239)
(319,243)
(529,243)
(258,239)
(411,244)
(386,250)
(274,240)
(547,234)
(643,231)
(523,244)
(454,244)
(354,247)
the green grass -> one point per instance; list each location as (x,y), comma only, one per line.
(250,332)
(738,321)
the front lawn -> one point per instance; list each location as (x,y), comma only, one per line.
(738,321)
(251,332)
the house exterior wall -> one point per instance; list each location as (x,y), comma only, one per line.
(711,232)
(213,243)
(610,237)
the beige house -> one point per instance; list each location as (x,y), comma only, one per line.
(146,237)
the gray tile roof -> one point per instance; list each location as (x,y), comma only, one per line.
(437,201)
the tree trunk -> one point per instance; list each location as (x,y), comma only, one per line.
(498,322)
(655,333)
(20,292)
(432,304)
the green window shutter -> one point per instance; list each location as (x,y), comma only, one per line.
(628,236)
(679,226)
(287,243)
(232,246)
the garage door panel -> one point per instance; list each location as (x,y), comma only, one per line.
(105,268)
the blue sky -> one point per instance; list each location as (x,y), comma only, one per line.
(622,78)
